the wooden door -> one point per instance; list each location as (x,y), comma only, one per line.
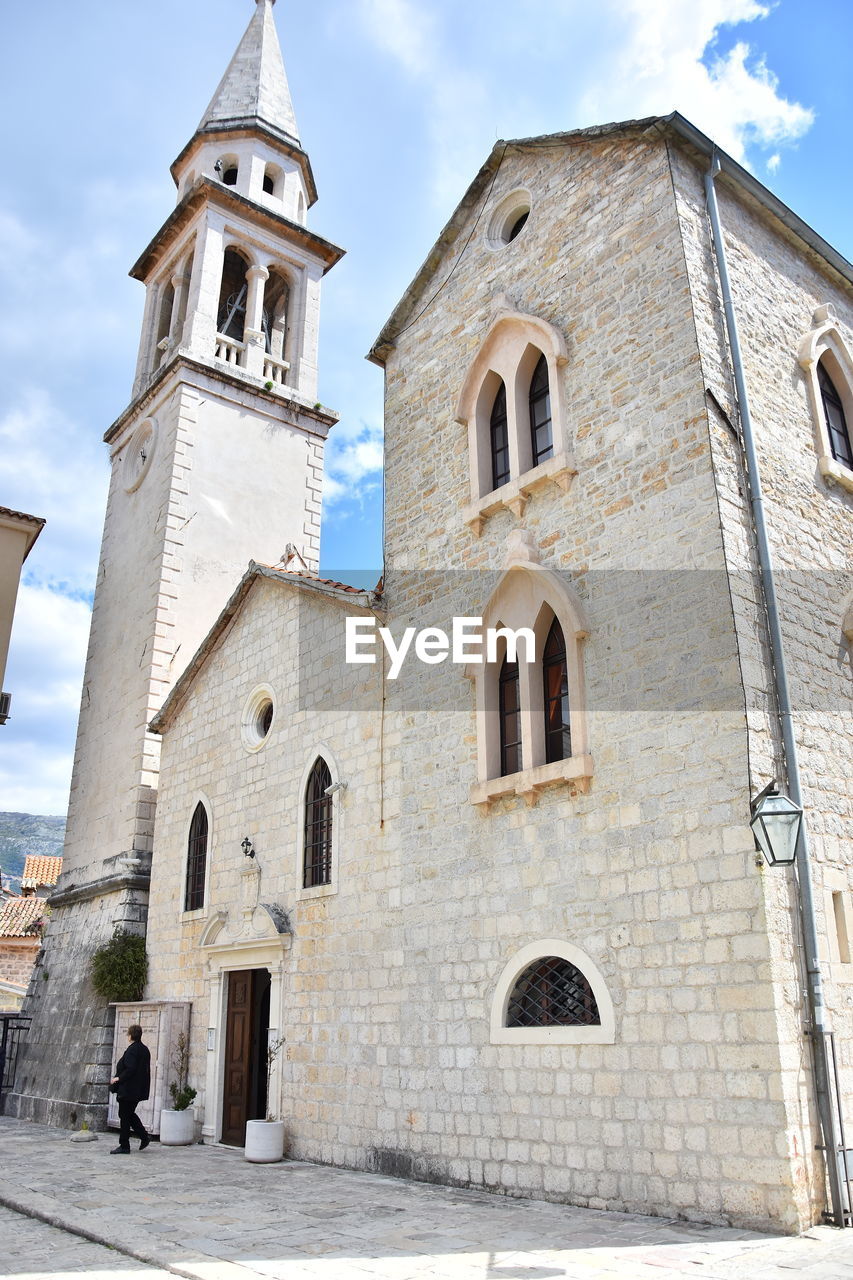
(246,1028)
(238,1052)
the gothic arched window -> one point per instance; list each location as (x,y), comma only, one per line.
(555,686)
(541,433)
(196,860)
(836,423)
(552,992)
(318,827)
(510,718)
(499,439)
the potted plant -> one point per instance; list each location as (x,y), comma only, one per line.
(177,1123)
(265,1138)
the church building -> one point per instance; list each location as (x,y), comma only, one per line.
(493,900)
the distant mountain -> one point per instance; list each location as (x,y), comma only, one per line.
(23,833)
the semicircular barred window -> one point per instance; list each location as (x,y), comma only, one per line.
(551,992)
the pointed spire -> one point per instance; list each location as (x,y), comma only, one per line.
(254,88)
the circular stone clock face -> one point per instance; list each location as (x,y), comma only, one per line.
(138,455)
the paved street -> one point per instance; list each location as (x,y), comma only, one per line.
(31,1248)
(204,1213)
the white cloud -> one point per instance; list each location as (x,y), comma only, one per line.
(353,465)
(626,59)
(44,674)
(51,467)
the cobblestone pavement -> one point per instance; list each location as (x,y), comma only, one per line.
(204,1213)
(39,1252)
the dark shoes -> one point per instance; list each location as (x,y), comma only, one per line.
(120,1151)
(144,1142)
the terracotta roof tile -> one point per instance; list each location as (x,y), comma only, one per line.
(40,870)
(19,915)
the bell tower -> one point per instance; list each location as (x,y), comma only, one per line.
(217,460)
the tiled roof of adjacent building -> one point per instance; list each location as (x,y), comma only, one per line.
(40,870)
(19,915)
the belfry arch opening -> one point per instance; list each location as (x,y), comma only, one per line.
(231,315)
(275,313)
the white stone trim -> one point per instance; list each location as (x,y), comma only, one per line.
(319,890)
(500,1034)
(200,912)
(826,343)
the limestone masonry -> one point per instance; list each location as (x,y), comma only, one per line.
(508,917)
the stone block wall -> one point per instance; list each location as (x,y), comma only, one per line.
(777,285)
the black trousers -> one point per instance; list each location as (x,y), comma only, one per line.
(129,1122)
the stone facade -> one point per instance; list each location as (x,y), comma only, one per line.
(641,864)
(628,856)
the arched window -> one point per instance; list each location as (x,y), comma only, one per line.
(499,439)
(196,860)
(510,718)
(318,827)
(836,423)
(552,992)
(541,433)
(555,686)
(231,316)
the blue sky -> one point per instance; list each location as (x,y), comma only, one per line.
(398,103)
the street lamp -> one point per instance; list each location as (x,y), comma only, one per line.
(776,823)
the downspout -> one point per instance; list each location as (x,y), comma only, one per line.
(820,1021)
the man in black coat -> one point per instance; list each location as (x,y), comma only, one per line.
(131,1084)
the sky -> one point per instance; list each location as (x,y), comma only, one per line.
(398,104)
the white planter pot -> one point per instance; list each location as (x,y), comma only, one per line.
(264,1141)
(177,1128)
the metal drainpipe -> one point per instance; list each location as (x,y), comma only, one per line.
(780,675)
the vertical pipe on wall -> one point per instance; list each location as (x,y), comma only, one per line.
(780,675)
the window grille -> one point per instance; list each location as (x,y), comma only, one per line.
(555,682)
(196,860)
(551,992)
(836,423)
(541,434)
(318,827)
(500,440)
(510,718)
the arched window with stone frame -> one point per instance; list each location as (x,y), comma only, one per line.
(526,355)
(826,360)
(318,818)
(195,881)
(552,992)
(541,609)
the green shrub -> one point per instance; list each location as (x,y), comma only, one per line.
(119,968)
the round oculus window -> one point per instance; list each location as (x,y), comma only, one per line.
(508,220)
(257,719)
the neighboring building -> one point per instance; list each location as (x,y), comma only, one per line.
(41,871)
(508,916)
(21,922)
(18,533)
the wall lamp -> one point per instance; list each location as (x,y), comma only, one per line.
(776,822)
(248,848)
